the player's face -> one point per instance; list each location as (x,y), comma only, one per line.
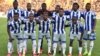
(15,5)
(61,12)
(74,20)
(16,17)
(44,6)
(75,7)
(28,6)
(57,8)
(45,15)
(31,17)
(88,7)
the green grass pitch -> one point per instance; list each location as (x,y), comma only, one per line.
(4,40)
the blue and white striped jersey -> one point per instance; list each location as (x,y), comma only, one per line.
(11,12)
(44,26)
(89,18)
(15,26)
(76,28)
(29,26)
(59,24)
(54,14)
(77,14)
(26,13)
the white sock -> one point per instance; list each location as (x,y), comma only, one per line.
(34,46)
(25,45)
(91,46)
(20,46)
(10,47)
(54,47)
(80,50)
(49,45)
(70,50)
(39,44)
(85,45)
(63,48)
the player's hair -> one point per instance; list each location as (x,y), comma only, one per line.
(88,4)
(43,4)
(61,9)
(58,6)
(15,1)
(75,4)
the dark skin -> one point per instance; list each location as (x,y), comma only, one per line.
(15,4)
(57,8)
(74,21)
(88,8)
(75,7)
(29,6)
(44,6)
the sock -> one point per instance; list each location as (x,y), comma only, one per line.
(20,46)
(49,45)
(85,45)
(24,46)
(70,50)
(39,45)
(34,46)
(91,46)
(10,47)
(80,50)
(54,48)
(63,48)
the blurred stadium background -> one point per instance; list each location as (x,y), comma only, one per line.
(66,4)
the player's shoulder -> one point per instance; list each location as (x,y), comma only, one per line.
(92,12)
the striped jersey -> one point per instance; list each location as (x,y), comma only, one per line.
(76,28)
(59,24)
(26,13)
(89,20)
(29,26)
(77,14)
(15,26)
(11,12)
(44,26)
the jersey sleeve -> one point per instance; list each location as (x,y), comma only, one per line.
(94,15)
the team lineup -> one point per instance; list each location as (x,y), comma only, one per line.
(21,25)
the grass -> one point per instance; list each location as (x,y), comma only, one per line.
(4,40)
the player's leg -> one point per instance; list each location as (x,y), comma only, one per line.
(34,43)
(49,43)
(91,38)
(39,41)
(85,38)
(80,44)
(71,44)
(63,43)
(25,38)
(20,44)
(10,45)
(55,41)
(59,45)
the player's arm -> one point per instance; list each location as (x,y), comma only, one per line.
(81,30)
(94,21)
(9,34)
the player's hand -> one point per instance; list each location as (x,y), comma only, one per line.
(88,32)
(11,39)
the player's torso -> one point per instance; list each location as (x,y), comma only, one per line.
(89,23)
(30,26)
(59,23)
(76,14)
(44,26)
